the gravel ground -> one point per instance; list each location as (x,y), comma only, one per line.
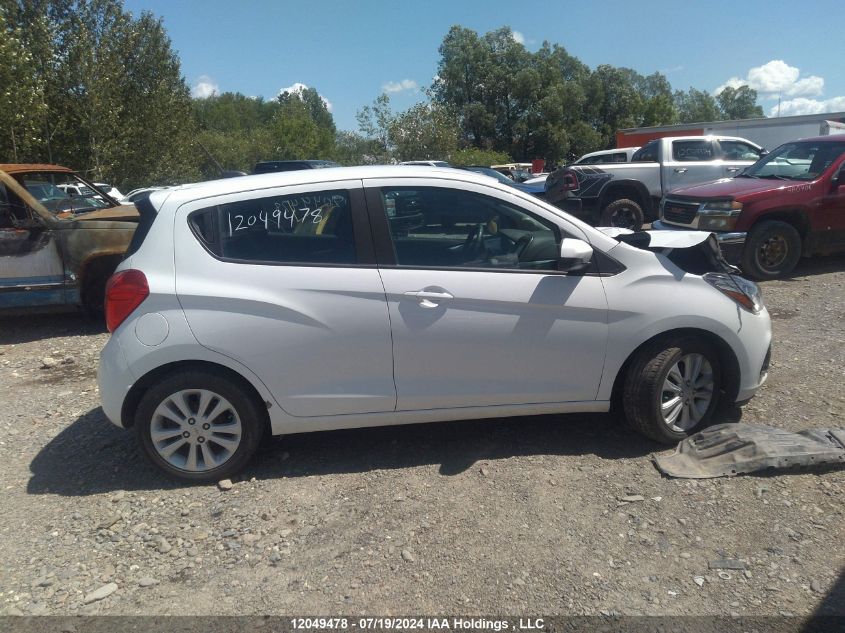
(520,516)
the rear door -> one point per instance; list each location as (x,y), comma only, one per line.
(480,314)
(690,162)
(31,270)
(284,281)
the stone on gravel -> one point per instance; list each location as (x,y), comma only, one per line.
(632,498)
(699,580)
(225,484)
(98,594)
(816,586)
(726,563)
(146,581)
(48,362)
(408,555)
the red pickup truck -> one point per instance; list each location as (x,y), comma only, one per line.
(789,204)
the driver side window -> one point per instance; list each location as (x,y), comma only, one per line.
(434,227)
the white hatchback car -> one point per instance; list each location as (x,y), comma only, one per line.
(367,296)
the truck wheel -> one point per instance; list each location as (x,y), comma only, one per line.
(772,249)
(672,388)
(624,214)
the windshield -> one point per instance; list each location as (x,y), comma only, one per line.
(796,161)
(62,192)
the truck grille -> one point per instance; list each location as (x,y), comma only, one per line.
(679,212)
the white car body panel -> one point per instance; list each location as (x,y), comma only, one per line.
(319,337)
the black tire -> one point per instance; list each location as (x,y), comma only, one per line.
(249,409)
(623,213)
(772,250)
(644,382)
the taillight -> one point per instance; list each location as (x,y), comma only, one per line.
(570,181)
(124,292)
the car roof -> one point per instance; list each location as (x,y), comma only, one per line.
(170,199)
(16,168)
(832,138)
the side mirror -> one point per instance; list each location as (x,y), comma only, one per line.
(838,179)
(574,254)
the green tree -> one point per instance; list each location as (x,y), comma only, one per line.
(695,106)
(298,131)
(21,98)
(739,103)
(475,156)
(375,122)
(423,132)
(114,103)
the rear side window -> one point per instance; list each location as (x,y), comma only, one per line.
(692,151)
(646,154)
(304,228)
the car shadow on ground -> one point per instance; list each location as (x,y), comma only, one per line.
(26,328)
(807,267)
(91,456)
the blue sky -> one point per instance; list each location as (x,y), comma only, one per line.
(351,51)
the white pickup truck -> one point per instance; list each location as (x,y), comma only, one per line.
(627,194)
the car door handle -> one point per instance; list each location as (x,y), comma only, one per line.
(429,298)
(680,170)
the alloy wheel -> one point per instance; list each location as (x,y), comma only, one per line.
(195,430)
(687,392)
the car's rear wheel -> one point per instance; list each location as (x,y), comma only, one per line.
(623,214)
(672,388)
(198,425)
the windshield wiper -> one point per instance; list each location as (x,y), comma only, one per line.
(744,175)
(775,177)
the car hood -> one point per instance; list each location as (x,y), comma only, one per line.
(731,188)
(695,252)
(126,212)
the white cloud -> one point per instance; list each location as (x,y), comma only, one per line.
(777,78)
(399,86)
(518,37)
(297,89)
(802,105)
(205,88)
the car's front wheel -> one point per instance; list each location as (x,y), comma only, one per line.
(199,425)
(672,388)
(772,249)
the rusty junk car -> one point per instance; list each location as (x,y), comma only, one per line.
(60,239)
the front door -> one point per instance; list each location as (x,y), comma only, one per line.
(284,281)
(31,271)
(480,316)
(830,205)
(736,156)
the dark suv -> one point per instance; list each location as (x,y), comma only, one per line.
(271,166)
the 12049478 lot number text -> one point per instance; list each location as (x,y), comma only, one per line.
(413,623)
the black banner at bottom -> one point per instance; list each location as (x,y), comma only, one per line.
(421,624)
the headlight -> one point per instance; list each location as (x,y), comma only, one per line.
(746,293)
(719,216)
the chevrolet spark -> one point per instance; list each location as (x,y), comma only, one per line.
(367,296)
